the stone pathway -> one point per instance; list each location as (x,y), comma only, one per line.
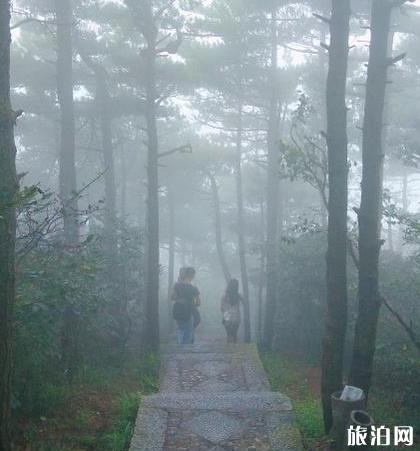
(214,397)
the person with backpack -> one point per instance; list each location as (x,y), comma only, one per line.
(186,299)
(231,310)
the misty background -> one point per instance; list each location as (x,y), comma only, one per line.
(169,133)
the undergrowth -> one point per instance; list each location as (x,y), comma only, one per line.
(291,379)
(97,411)
(301,382)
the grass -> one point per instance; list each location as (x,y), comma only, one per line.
(301,382)
(96,412)
(118,439)
(292,379)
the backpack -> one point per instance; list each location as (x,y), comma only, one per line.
(180,311)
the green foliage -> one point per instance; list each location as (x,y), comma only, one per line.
(47,278)
(146,372)
(51,279)
(100,408)
(147,369)
(395,394)
(396,389)
(83,419)
(391,403)
(119,438)
(290,378)
(301,279)
(309,418)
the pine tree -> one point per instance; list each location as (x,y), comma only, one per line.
(8,199)
(336,319)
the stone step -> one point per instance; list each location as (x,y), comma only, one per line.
(216,421)
(214,396)
(212,368)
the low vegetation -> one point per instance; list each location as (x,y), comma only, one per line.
(389,402)
(95,412)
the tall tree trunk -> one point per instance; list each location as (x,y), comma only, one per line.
(370,213)
(171,259)
(241,228)
(67,166)
(218,228)
(123,199)
(8,190)
(151,332)
(104,104)
(67,176)
(323,73)
(337,142)
(103,101)
(115,272)
(261,280)
(272,193)
(390,235)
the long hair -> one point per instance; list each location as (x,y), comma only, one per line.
(232,292)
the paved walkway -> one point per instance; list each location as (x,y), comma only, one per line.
(214,397)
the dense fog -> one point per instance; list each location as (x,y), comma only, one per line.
(275,142)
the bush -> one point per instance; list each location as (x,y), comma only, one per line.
(301,302)
(119,438)
(289,376)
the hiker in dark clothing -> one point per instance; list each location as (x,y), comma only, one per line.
(231,310)
(186,299)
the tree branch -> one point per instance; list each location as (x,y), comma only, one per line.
(352,252)
(322,18)
(410,333)
(396,59)
(186,148)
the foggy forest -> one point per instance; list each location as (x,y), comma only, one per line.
(265,146)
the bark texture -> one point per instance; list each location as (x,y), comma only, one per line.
(171,257)
(241,228)
(218,228)
(272,194)
(8,190)
(337,142)
(370,213)
(103,102)
(261,278)
(151,326)
(67,173)
(115,272)
(103,99)
(67,176)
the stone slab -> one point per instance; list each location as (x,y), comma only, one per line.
(225,421)
(237,401)
(150,430)
(207,347)
(212,367)
(216,397)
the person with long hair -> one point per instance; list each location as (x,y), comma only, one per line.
(230,307)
